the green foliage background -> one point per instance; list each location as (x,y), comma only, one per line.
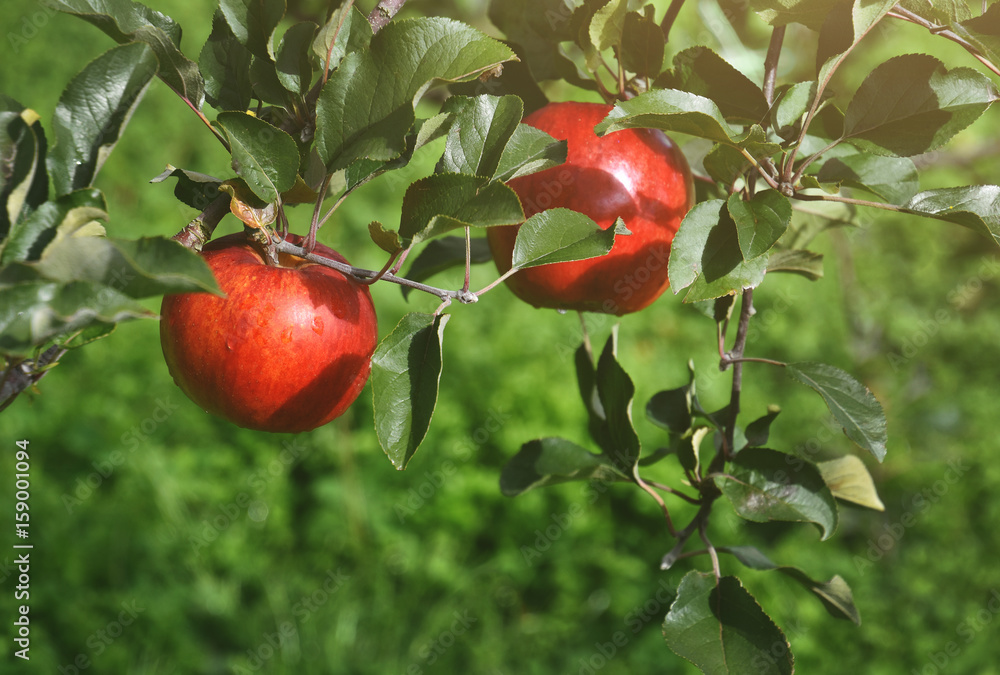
(909,306)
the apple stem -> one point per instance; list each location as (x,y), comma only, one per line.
(197,233)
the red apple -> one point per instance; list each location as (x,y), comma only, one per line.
(637,174)
(288,349)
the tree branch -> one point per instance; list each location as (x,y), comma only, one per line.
(383,13)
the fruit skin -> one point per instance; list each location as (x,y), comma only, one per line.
(638,174)
(287,350)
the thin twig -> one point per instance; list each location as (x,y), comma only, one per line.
(670,17)
(739,345)
(771,63)
(899,12)
(659,500)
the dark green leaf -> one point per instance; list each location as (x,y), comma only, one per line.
(982,32)
(225,65)
(672,409)
(62,217)
(615,391)
(264,156)
(549,461)
(701,71)
(445,253)
(725,164)
(292,62)
(91,333)
(529,150)
(253,22)
(706,255)
(586,377)
(974,206)
(852,404)
(538,26)
(351,31)
(426,131)
(197,190)
(561,235)
(33,313)
(24,183)
(719,627)
(445,201)
(912,104)
(780,12)
(796,261)
(760,222)
(893,179)
(856,24)
(93,111)
(848,479)
(642,45)
(758,431)
(126,22)
(479,133)
(366,107)
(406,371)
(791,108)
(142,268)
(605,29)
(765,485)
(835,594)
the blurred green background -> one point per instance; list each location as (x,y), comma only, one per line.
(168,541)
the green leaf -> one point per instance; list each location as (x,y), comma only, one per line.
(719,627)
(445,253)
(197,190)
(264,156)
(351,31)
(982,32)
(93,111)
(725,164)
(24,183)
(706,255)
(127,22)
(848,479)
(893,179)
(33,313)
(549,461)
(796,261)
(225,65)
(292,62)
(760,222)
(406,372)
(64,216)
(781,12)
(479,134)
(841,33)
(366,107)
(561,235)
(529,150)
(912,104)
(673,410)
(606,26)
(976,207)
(142,268)
(253,23)
(757,432)
(642,45)
(682,112)
(765,485)
(835,594)
(538,26)
(586,377)
(791,108)
(445,201)
(387,240)
(615,391)
(701,71)
(426,131)
(853,406)
(941,12)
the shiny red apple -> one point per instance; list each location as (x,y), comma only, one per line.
(288,349)
(637,174)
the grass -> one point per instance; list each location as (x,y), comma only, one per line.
(167,541)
